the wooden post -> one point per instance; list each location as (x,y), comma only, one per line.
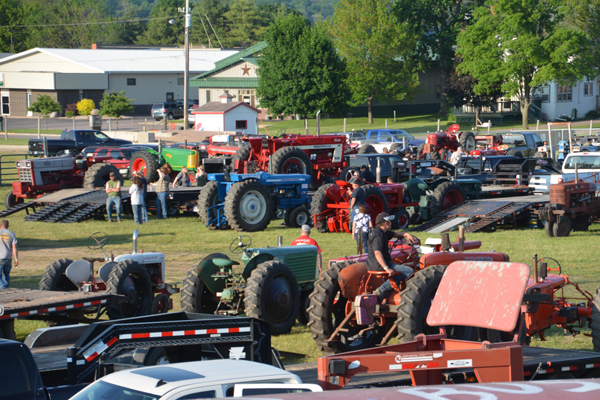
(591,122)
(489,125)
(344,125)
(550,140)
(110,123)
(394,115)
(73,122)
(133,125)
(39,126)
(146,124)
(306,125)
(570,138)
(537,126)
(5,127)
(461,238)
(438,129)
(386,123)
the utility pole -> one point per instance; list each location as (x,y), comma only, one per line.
(186,72)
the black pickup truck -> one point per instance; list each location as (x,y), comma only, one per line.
(74,140)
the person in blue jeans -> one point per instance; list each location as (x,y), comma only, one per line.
(137,200)
(360,229)
(8,250)
(162,191)
(144,208)
(113,189)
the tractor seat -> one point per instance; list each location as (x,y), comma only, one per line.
(223,262)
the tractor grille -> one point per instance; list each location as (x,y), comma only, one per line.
(559,196)
(25,175)
(303,265)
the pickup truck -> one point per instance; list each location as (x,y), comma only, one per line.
(391,139)
(73,140)
(588,169)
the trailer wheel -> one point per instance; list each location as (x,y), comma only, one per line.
(98,174)
(401,220)
(248,206)
(319,204)
(195,296)
(581,223)
(549,228)
(160,304)
(449,194)
(291,160)
(467,142)
(296,217)
(272,296)
(132,280)
(562,227)
(54,277)
(328,309)
(367,149)
(146,162)
(304,305)
(10,200)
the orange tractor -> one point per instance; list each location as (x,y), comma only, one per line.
(438,144)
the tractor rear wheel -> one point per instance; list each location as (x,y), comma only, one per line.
(145,162)
(248,206)
(241,154)
(132,280)
(291,160)
(54,277)
(449,194)
(98,174)
(209,197)
(595,322)
(421,152)
(296,217)
(10,200)
(581,223)
(367,149)
(375,201)
(562,227)
(327,311)
(195,296)
(467,142)
(549,228)
(304,305)
(348,173)
(272,296)
(319,204)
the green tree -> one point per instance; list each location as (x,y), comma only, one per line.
(45,105)
(300,72)
(521,44)
(585,17)
(246,24)
(377,49)
(436,23)
(115,104)
(209,25)
(160,31)
(12,40)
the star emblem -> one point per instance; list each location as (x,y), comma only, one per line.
(246,70)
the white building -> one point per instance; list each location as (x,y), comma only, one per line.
(560,100)
(226,116)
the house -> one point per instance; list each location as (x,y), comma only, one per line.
(226,115)
(558,101)
(68,75)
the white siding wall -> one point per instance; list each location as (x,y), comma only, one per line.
(209,122)
(237,71)
(43,62)
(149,88)
(583,104)
(238,114)
(28,80)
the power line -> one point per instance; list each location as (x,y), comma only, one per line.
(87,23)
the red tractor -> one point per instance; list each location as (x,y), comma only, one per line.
(46,175)
(438,144)
(345,316)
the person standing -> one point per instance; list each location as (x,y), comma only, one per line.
(200,176)
(162,191)
(366,175)
(113,189)
(137,200)
(8,250)
(305,239)
(357,197)
(360,229)
(457,155)
(182,178)
(144,182)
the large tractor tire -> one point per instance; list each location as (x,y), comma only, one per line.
(209,197)
(319,204)
(327,311)
(467,142)
(562,227)
(241,154)
(516,153)
(98,174)
(146,162)
(421,152)
(581,223)
(248,206)
(367,149)
(375,201)
(296,217)
(348,173)
(595,322)
(272,295)
(304,306)
(130,279)
(10,200)
(291,160)
(54,277)
(449,194)
(195,296)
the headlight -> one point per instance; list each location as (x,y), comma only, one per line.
(28,164)
(18,164)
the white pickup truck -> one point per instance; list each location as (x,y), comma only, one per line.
(588,169)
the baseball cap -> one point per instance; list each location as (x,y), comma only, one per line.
(383,217)
(112,174)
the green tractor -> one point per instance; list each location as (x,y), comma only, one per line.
(149,160)
(273,285)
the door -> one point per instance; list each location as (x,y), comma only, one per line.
(170,97)
(5,103)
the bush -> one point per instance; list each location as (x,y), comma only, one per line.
(592,114)
(85,106)
(70,114)
(71,110)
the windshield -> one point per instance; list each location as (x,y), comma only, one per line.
(400,134)
(583,162)
(157,106)
(101,390)
(514,140)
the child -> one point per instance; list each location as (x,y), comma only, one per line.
(360,229)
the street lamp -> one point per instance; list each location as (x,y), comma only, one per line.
(186,71)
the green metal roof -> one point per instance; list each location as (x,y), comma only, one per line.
(243,55)
(234,83)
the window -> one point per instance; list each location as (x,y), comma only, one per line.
(241,124)
(588,89)
(5,104)
(564,93)
(180,81)
(116,154)
(28,100)
(209,394)
(130,81)
(545,94)
(208,96)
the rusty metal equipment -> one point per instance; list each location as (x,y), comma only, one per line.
(438,144)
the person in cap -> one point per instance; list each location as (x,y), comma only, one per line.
(113,189)
(379,258)
(367,175)
(305,239)
(357,197)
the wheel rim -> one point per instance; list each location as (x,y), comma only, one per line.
(253,207)
(349,174)
(162,305)
(293,165)
(403,219)
(139,165)
(470,142)
(451,199)
(279,300)
(374,205)
(301,218)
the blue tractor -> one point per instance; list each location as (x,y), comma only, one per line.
(248,202)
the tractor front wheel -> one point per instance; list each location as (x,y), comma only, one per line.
(146,163)
(367,149)
(10,200)
(248,206)
(98,174)
(195,296)
(348,173)
(562,227)
(296,217)
(467,142)
(401,219)
(130,279)
(549,228)
(319,204)
(209,197)
(272,296)
(421,152)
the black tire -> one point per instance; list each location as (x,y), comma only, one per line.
(348,173)
(304,305)
(581,223)
(375,201)
(539,155)
(146,161)
(241,154)
(160,304)
(156,356)
(449,194)
(297,216)
(319,204)
(170,116)
(10,200)
(562,227)
(467,142)
(421,152)
(595,322)
(327,311)
(495,336)
(434,155)
(98,174)
(516,153)
(367,149)
(54,277)
(195,296)
(272,296)
(208,197)
(248,206)
(401,219)
(549,228)
(291,160)
(132,280)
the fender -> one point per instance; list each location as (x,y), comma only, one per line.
(254,262)
(448,258)
(350,279)
(336,193)
(205,270)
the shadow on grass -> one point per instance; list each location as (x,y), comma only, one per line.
(38,244)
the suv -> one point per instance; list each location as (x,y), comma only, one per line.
(171,110)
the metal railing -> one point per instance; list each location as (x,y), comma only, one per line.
(8,169)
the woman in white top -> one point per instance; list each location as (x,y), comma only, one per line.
(137,199)
(360,229)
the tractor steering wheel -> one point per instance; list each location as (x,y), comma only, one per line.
(97,240)
(413,246)
(280,133)
(240,243)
